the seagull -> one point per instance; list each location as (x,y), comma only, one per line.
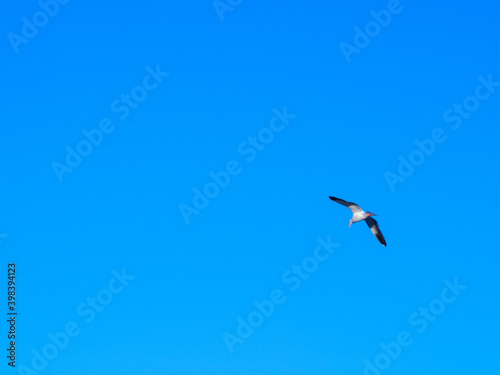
(358,214)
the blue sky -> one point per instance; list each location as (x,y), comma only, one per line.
(117,118)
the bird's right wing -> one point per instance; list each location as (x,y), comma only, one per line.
(372,223)
(352,206)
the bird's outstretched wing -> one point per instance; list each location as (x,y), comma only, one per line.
(352,206)
(372,223)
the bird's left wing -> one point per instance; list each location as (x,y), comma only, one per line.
(352,206)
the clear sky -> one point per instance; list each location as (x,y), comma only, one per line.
(166,168)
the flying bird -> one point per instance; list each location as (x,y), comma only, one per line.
(358,214)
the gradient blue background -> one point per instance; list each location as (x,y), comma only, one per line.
(119,207)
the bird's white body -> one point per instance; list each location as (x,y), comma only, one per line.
(359,216)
